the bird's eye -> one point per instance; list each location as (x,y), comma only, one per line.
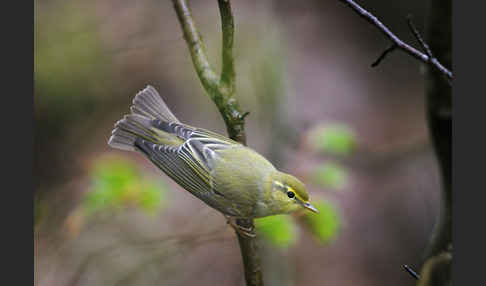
(290,194)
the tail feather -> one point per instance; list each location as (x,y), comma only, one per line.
(147,106)
(137,125)
(148,103)
(122,140)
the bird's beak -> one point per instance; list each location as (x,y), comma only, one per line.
(311,208)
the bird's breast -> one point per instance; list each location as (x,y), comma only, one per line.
(239,175)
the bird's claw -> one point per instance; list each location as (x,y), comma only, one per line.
(244,231)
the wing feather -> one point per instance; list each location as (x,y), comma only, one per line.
(200,147)
(168,160)
(192,163)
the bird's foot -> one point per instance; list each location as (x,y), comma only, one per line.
(242,230)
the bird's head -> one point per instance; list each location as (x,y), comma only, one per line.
(289,194)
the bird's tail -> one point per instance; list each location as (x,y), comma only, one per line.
(147,106)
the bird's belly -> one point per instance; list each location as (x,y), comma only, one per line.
(239,182)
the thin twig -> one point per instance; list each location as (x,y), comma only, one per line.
(423,44)
(245,114)
(419,38)
(394,39)
(383,55)
(411,272)
(222,90)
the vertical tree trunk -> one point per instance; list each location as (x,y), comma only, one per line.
(436,270)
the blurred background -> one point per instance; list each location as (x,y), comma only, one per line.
(355,135)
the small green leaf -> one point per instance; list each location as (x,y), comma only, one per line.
(330,175)
(151,197)
(280,230)
(325,225)
(333,139)
(117,183)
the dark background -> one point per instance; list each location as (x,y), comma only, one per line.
(299,66)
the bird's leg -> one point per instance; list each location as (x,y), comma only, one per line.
(246,231)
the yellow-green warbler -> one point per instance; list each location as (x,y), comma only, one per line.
(225,174)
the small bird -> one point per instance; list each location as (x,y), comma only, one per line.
(226,175)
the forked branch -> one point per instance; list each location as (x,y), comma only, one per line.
(426,57)
(437,267)
(221,89)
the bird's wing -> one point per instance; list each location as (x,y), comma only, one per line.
(186,132)
(191,163)
(188,174)
(204,146)
(200,145)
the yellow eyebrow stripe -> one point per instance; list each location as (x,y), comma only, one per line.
(296,194)
(280,185)
(286,187)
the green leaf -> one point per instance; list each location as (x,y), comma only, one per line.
(117,184)
(330,175)
(151,197)
(114,173)
(279,230)
(333,139)
(325,225)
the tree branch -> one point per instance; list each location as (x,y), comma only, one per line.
(383,55)
(228,70)
(431,61)
(418,37)
(411,272)
(437,270)
(438,256)
(222,90)
(208,77)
